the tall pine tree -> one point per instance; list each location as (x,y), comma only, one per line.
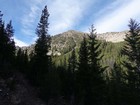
(2,41)
(7,45)
(70,77)
(41,62)
(96,83)
(132,51)
(83,73)
(10,44)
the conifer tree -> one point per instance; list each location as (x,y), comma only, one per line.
(41,62)
(83,57)
(116,86)
(96,82)
(132,51)
(10,44)
(94,51)
(7,45)
(70,76)
(72,62)
(94,55)
(1,22)
(2,40)
(22,61)
(82,78)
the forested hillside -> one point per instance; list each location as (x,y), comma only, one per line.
(72,68)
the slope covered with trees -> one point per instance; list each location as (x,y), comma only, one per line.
(88,71)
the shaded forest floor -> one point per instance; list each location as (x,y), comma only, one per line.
(16,90)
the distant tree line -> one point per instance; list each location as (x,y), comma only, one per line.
(81,79)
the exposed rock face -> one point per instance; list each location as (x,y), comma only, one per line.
(67,40)
(113,36)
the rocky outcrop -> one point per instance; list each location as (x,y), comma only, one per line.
(113,36)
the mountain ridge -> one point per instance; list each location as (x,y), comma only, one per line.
(108,36)
(113,36)
(64,42)
(73,38)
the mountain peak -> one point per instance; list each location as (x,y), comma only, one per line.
(66,41)
(71,31)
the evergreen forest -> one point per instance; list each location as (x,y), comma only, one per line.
(96,72)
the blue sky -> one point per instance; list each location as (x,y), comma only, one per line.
(106,15)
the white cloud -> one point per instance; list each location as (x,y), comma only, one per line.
(19,42)
(28,20)
(31,16)
(68,14)
(117,20)
(64,15)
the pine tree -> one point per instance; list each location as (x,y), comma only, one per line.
(7,45)
(2,40)
(1,22)
(83,57)
(116,86)
(10,44)
(41,62)
(70,77)
(72,62)
(82,78)
(94,55)
(22,61)
(94,51)
(96,82)
(132,51)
